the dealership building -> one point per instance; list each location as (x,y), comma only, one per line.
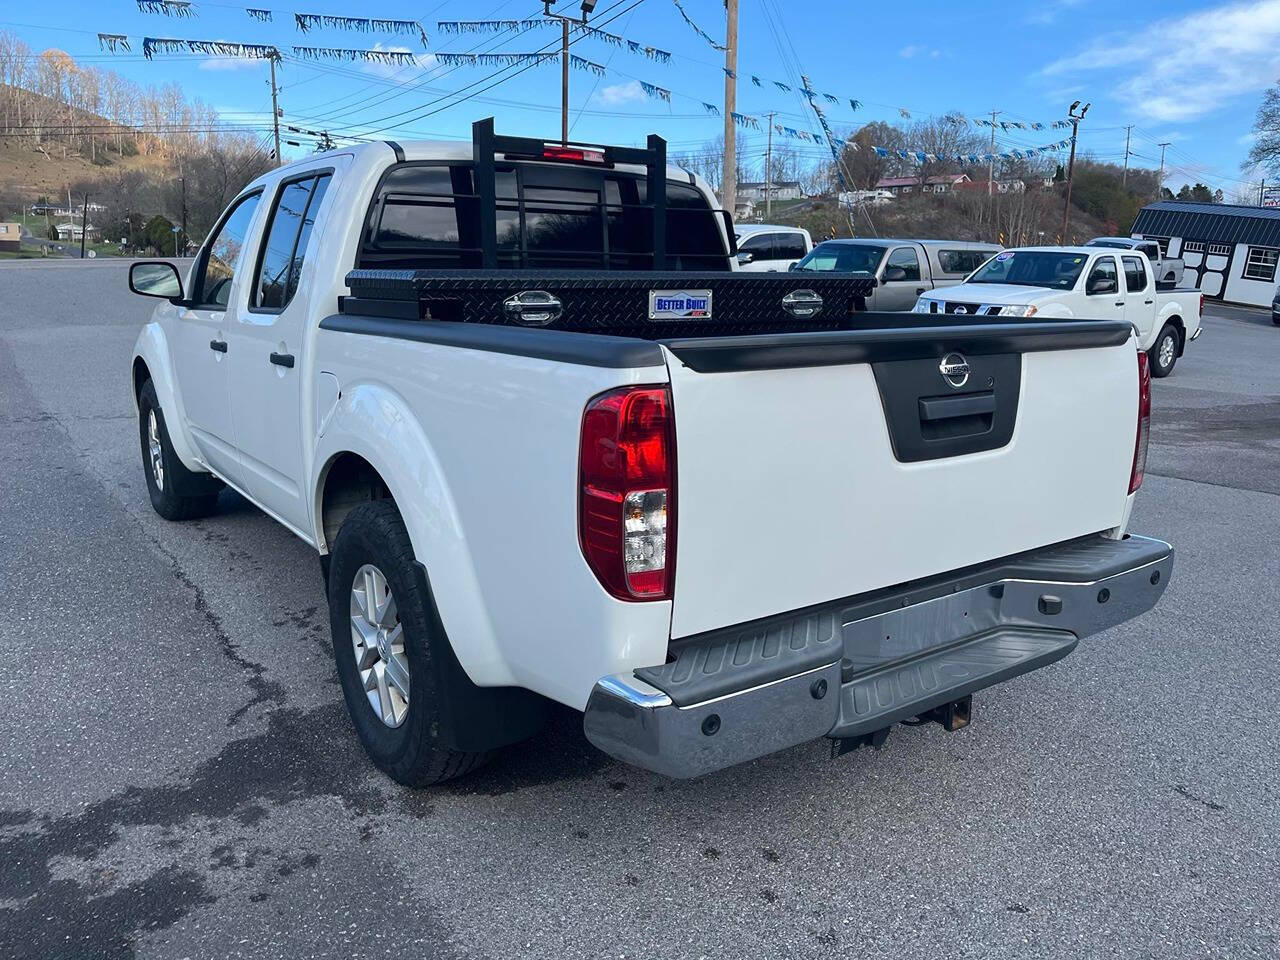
(1230,251)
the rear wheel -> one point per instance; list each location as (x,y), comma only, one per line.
(1164,353)
(176,492)
(387,650)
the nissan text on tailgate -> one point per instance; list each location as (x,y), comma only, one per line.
(551,446)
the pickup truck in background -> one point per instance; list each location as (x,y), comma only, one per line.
(763,247)
(550,447)
(1087,283)
(1168,270)
(904,269)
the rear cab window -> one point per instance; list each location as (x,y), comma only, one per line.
(551,216)
(961,262)
(1135,274)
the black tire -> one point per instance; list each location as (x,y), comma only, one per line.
(178,493)
(411,753)
(1167,333)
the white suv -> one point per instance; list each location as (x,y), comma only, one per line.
(763,247)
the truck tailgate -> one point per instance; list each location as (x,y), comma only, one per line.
(818,466)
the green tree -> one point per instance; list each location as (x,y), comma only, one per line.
(159,234)
(1199,194)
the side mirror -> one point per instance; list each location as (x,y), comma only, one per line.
(156,278)
(894,274)
(744,257)
(1101,285)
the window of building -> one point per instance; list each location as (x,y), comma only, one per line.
(1261,264)
(961,261)
(1193,246)
(1219,249)
(1135,275)
(1162,242)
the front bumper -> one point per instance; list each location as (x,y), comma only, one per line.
(862,664)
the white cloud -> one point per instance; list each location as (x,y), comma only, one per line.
(230,63)
(1048,13)
(422,61)
(1188,66)
(914,50)
(617,94)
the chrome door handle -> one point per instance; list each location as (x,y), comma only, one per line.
(533,308)
(219,345)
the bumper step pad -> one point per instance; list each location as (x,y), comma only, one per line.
(903,690)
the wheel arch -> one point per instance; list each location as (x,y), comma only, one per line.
(151,362)
(374,447)
(1176,321)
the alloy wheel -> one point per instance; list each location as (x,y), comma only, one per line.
(377,637)
(155,449)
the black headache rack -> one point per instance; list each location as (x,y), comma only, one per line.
(654,303)
(628,303)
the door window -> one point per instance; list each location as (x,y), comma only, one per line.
(961,261)
(280,261)
(790,246)
(906,259)
(760,246)
(223,256)
(1151,250)
(1103,270)
(1135,276)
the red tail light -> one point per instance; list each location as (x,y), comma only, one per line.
(1144,423)
(627,494)
(573,154)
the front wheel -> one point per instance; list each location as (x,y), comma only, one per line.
(176,492)
(387,649)
(1164,353)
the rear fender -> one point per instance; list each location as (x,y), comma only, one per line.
(375,423)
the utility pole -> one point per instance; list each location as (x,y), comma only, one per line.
(183,182)
(275,110)
(1160,184)
(768,171)
(991,164)
(1262,191)
(1071,163)
(84,224)
(564,82)
(1124,180)
(587,7)
(729,176)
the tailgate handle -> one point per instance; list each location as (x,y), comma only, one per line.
(942,408)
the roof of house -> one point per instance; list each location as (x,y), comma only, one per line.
(1211,222)
(914,181)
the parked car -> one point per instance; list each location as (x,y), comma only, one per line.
(1080,282)
(763,247)
(640,491)
(904,269)
(1275,307)
(1167,270)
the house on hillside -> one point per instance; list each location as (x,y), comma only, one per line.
(944,183)
(999,186)
(70,232)
(1230,251)
(10,237)
(780,190)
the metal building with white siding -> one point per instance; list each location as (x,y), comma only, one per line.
(1231,252)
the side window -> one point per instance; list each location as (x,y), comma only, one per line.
(1135,276)
(790,246)
(961,261)
(276,261)
(1103,270)
(1151,250)
(304,235)
(906,258)
(760,246)
(218,272)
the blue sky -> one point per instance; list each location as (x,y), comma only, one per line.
(1184,72)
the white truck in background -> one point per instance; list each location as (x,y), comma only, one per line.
(1168,270)
(764,247)
(1086,283)
(550,446)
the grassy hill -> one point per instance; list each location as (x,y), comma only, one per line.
(27,173)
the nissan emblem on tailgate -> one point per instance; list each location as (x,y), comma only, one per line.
(954,369)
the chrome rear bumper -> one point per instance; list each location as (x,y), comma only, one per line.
(860,665)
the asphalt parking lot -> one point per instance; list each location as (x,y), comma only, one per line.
(178,777)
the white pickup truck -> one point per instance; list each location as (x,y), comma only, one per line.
(1168,270)
(1086,283)
(551,447)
